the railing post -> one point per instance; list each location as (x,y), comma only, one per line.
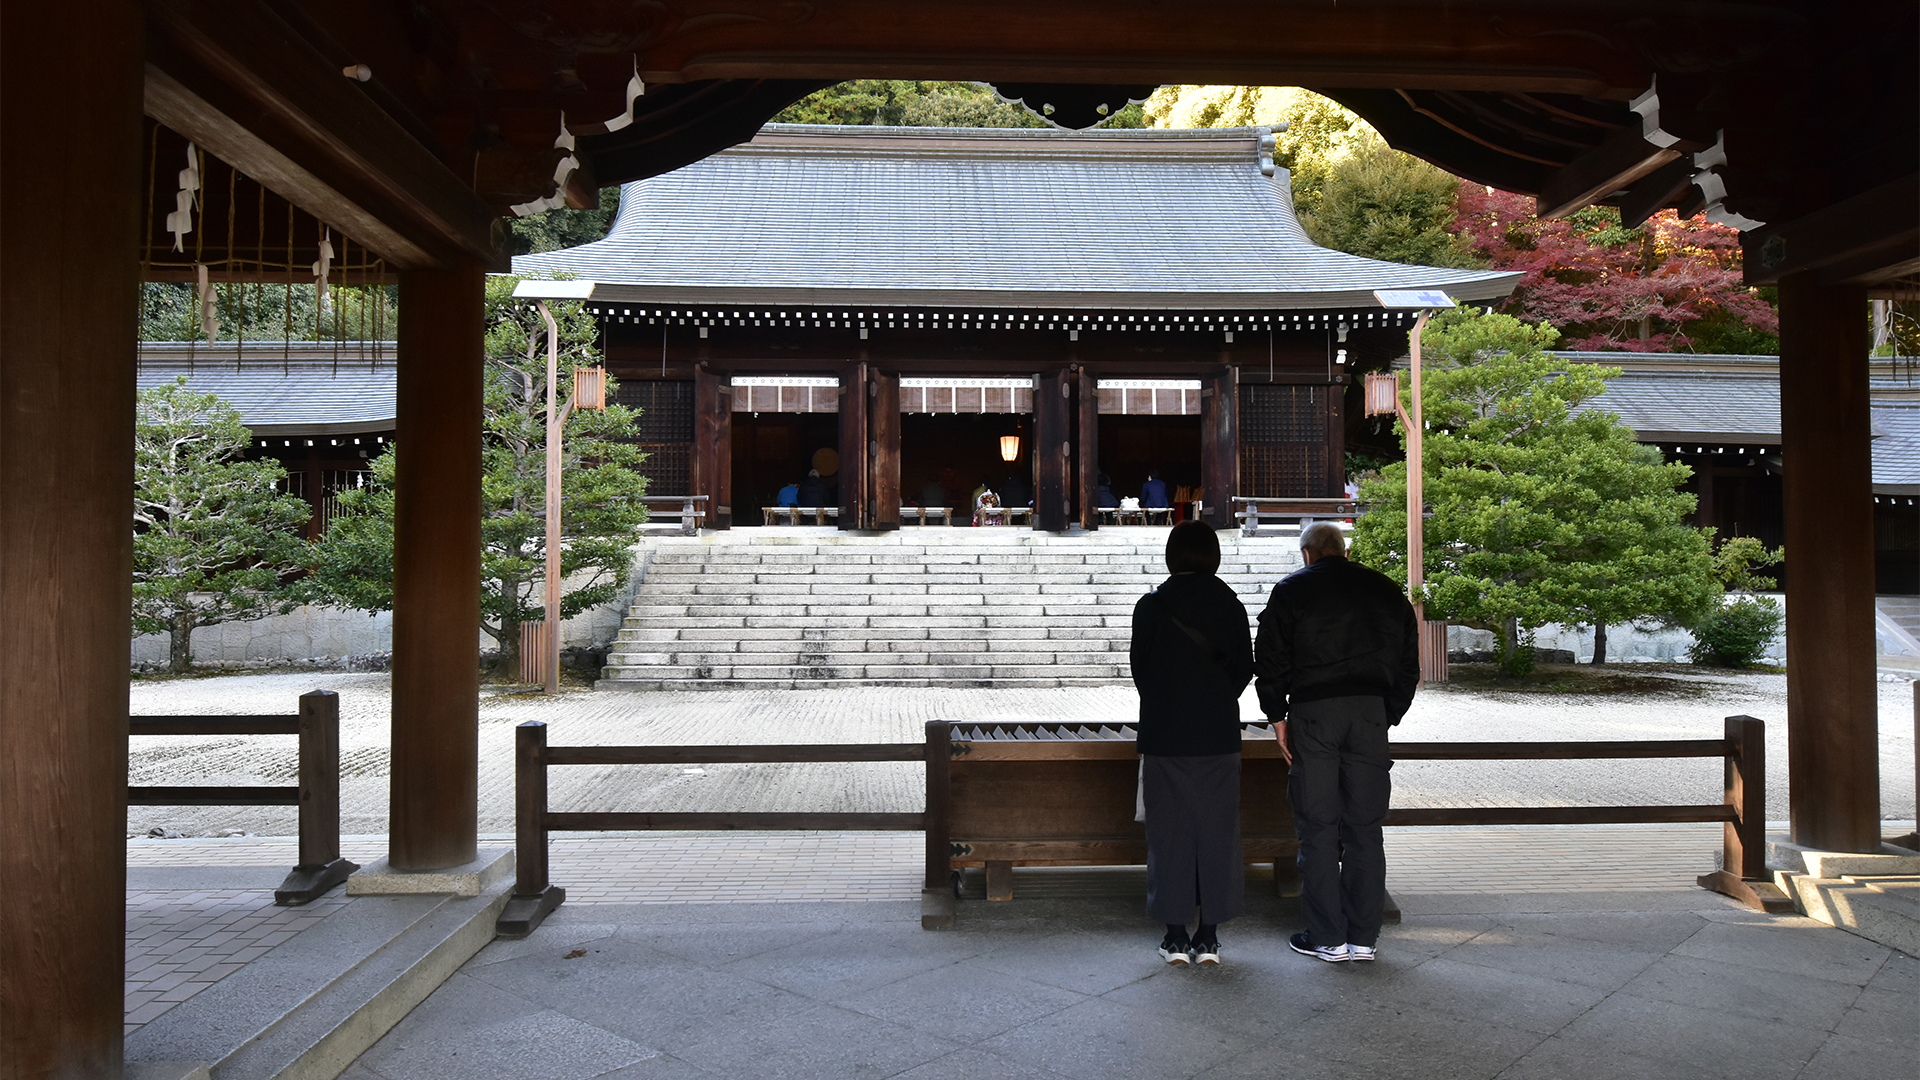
(320,866)
(1743,863)
(689,518)
(1746,792)
(936,890)
(534,898)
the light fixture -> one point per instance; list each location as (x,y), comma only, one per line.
(1009,448)
(1342,334)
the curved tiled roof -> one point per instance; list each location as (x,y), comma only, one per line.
(309,389)
(1013,218)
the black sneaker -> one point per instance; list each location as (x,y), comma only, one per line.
(1174,948)
(1332,954)
(1206,951)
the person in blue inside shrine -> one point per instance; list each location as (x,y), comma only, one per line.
(1153,493)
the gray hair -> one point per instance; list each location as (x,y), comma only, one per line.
(1322,539)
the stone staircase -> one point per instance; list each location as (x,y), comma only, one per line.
(929,606)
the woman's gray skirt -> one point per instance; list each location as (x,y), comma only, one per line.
(1193,837)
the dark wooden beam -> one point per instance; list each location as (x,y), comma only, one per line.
(436,565)
(70,170)
(1868,239)
(1661,188)
(1833,710)
(239,81)
(1625,156)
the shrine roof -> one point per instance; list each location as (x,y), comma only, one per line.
(983,217)
(313,388)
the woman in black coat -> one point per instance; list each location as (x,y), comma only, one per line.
(1192,655)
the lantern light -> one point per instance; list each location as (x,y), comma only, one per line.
(1009,448)
(1382,394)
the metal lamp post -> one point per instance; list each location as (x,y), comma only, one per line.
(589,392)
(1383,399)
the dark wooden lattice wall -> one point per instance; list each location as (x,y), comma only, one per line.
(1284,444)
(666,432)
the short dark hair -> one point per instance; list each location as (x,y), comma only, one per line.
(1192,548)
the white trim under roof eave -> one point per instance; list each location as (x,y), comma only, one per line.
(684,296)
(345,427)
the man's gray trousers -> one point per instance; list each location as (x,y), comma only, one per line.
(1339,786)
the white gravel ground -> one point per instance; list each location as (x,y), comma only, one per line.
(1691,706)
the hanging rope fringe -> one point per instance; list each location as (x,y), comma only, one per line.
(209,304)
(180,222)
(323,267)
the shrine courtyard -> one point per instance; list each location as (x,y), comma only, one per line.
(1522,951)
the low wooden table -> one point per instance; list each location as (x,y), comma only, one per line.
(926,514)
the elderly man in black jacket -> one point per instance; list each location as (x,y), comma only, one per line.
(1336,663)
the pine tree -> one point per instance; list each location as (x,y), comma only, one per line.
(1542,511)
(213,537)
(600,489)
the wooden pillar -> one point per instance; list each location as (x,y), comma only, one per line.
(1052,450)
(883,448)
(713,444)
(1334,478)
(436,570)
(1086,447)
(1220,445)
(1832,699)
(856,498)
(68,303)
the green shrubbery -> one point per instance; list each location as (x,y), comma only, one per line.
(1737,634)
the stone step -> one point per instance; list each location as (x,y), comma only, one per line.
(866,671)
(1052,649)
(630,684)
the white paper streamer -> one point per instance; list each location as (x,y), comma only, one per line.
(180,222)
(560,173)
(635,90)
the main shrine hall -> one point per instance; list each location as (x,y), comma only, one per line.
(1118,302)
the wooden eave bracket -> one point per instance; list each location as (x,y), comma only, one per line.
(1869,239)
(238,81)
(1624,158)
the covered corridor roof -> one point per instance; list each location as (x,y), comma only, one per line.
(934,217)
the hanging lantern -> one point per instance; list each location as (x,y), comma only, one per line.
(1383,394)
(1009,448)
(590,388)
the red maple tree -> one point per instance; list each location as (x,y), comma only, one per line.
(1609,287)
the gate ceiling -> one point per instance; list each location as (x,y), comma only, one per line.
(411,126)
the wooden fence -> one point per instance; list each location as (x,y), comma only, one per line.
(1741,810)
(317,793)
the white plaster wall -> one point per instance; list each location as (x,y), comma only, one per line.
(316,633)
(1624,643)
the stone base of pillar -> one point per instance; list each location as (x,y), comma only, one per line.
(468,879)
(1874,896)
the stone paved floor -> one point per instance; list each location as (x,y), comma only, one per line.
(1526,951)
(1594,985)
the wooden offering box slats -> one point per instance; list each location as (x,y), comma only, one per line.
(1063,795)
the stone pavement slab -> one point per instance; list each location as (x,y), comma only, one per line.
(1048,987)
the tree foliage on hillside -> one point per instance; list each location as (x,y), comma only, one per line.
(1672,284)
(600,487)
(267,311)
(1541,511)
(1351,191)
(213,536)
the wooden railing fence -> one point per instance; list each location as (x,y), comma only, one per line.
(317,794)
(1741,810)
